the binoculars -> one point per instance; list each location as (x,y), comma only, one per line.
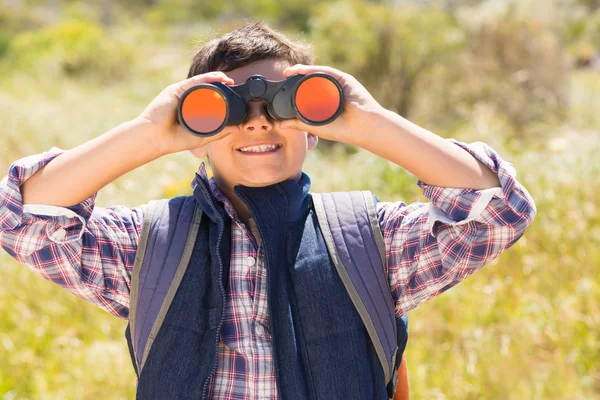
(207,108)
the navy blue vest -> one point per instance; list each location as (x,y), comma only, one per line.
(320,345)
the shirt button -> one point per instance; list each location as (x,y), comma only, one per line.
(259,330)
(59,235)
(250,261)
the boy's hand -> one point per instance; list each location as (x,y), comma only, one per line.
(161,115)
(352,122)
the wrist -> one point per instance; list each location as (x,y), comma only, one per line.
(152,134)
(368,125)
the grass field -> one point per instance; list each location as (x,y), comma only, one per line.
(526,327)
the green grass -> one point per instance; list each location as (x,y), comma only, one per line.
(526,327)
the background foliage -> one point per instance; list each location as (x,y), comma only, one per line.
(523,76)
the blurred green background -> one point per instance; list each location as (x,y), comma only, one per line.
(523,76)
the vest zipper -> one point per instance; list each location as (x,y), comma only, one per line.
(274,355)
(218,336)
(269,300)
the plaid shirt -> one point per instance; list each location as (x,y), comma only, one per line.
(430,247)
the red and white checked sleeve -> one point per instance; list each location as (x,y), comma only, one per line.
(85,249)
(433,246)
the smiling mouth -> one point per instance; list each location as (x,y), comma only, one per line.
(259,149)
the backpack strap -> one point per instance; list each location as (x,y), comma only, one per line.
(149,302)
(348,221)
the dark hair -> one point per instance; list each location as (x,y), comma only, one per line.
(251,42)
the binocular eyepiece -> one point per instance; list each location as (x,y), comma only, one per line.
(207,108)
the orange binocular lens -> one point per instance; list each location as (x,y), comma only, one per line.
(317,99)
(204,109)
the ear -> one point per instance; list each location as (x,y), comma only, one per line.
(199,152)
(312,140)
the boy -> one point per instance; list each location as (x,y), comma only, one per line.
(242,323)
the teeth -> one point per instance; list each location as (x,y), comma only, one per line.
(259,149)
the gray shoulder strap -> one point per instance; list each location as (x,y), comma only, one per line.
(348,221)
(149,210)
(141,308)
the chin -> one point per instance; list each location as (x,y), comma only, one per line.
(266,178)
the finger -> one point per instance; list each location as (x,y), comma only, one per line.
(307,69)
(215,76)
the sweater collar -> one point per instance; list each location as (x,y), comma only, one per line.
(289,197)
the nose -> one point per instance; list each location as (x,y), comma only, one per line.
(258,118)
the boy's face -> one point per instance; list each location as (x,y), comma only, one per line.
(232,166)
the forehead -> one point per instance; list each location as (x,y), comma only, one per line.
(271,69)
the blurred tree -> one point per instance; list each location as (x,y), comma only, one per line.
(174,11)
(519,67)
(387,48)
(284,14)
(72,48)
(16,20)
(5,40)
(591,5)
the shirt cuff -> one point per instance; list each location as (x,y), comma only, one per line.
(66,223)
(457,206)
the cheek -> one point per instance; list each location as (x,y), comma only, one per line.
(296,153)
(218,150)
(298,139)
